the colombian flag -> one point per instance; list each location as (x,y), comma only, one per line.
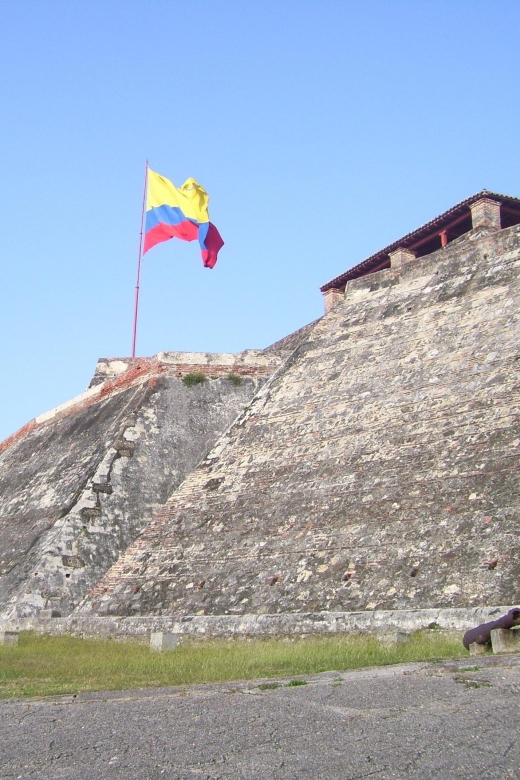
(180,212)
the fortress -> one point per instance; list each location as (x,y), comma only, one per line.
(365,464)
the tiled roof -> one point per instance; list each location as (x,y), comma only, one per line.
(431,229)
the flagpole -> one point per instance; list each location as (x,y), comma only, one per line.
(139,258)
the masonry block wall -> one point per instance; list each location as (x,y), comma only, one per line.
(378,468)
(78,486)
(80,482)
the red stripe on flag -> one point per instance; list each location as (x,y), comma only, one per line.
(213,244)
(187,231)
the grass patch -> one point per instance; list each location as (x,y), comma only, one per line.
(197,378)
(51,665)
(235,379)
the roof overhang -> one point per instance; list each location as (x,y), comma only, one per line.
(426,239)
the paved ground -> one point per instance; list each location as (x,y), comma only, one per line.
(446,721)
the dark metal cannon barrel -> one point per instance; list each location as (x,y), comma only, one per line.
(481,635)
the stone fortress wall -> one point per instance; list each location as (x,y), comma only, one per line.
(80,482)
(368,480)
(376,469)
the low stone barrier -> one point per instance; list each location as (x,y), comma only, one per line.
(9,638)
(283,625)
(505,640)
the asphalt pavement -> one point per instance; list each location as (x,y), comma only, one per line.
(446,720)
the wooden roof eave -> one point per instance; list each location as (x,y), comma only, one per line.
(422,235)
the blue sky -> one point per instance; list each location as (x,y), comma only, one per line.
(322,132)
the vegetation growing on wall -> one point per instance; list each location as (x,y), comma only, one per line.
(235,379)
(197,378)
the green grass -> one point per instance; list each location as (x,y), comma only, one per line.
(197,378)
(235,379)
(51,665)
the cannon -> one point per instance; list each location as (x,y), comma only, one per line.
(481,635)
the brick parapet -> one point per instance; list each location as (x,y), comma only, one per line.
(138,371)
(485,213)
(400,257)
(258,361)
(332,297)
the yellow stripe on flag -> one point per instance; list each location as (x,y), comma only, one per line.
(191,198)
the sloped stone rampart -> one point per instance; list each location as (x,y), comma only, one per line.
(376,470)
(79,486)
(113,375)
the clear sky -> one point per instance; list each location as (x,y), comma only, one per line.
(321,130)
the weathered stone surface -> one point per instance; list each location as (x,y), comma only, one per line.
(377,622)
(394,637)
(386,447)
(477,649)
(161,642)
(48,612)
(83,481)
(505,640)
(8,638)
(80,482)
